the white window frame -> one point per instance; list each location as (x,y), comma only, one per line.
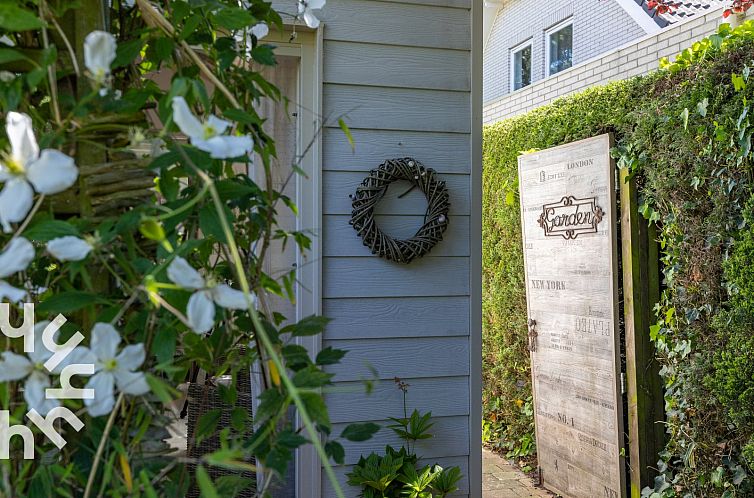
(308,48)
(512,74)
(549,32)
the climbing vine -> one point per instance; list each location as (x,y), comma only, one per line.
(685,133)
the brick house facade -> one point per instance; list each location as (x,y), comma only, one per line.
(610,40)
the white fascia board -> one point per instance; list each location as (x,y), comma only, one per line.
(638,14)
(491,10)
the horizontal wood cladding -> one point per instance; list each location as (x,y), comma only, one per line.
(444,152)
(444,397)
(460,4)
(404,358)
(352,492)
(340,239)
(451,438)
(396,66)
(395,317)
(338,185)
(377,277)
(398,73)
(380,108)
(389,23)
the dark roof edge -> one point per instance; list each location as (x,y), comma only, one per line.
(652,13)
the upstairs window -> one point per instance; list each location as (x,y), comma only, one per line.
(559,48)
(521,66)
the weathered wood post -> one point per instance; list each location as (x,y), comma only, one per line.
(641,291)
(89,17)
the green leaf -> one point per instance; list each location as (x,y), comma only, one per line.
(330,356)
(35,76)
(311,377)
(271,402)
(149,490)
(68,302)
(311,325)
(41,483)
(15,18)
(738,81)
(190,26)
(163,345)
(210,224)
(360,432)
(510,198)
(11,55)
(717,476)
(701,107)
(335,450)
(739,475)
(347,132)
(296,357)
(685,118)
(46,230)
(207,424)
(277,459)
(206,486)
(162,390)
(242,116)
(316,408)
(163,48)
(291,439)
(127,52)
(165,160)
(264,54)
(232,485)
(232,189)
(238,418)
(233,18)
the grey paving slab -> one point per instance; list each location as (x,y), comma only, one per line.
(500,479)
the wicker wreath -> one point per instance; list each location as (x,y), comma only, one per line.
(374,188)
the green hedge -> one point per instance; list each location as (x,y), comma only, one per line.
(507,379)
(685,131)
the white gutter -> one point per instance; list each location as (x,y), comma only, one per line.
(640,16)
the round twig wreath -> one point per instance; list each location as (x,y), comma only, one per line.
(374,188)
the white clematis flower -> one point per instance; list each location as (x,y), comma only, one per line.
(15,258)
(49,172)
(260,30)
(69,248)
(99,54)
(112,369)
(17,367)
(305,8)
(201,306)
(208,136)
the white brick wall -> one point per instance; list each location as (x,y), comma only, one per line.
(638,57)
(599,27)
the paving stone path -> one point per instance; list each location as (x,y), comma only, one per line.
(502,480)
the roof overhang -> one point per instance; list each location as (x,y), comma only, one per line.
(491,10)
(640,16)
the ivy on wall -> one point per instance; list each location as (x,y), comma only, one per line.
(685,132)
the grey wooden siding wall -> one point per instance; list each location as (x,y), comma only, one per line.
(399,73)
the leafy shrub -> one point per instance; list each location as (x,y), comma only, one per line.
(685,132)
(395,474)
(507,397)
